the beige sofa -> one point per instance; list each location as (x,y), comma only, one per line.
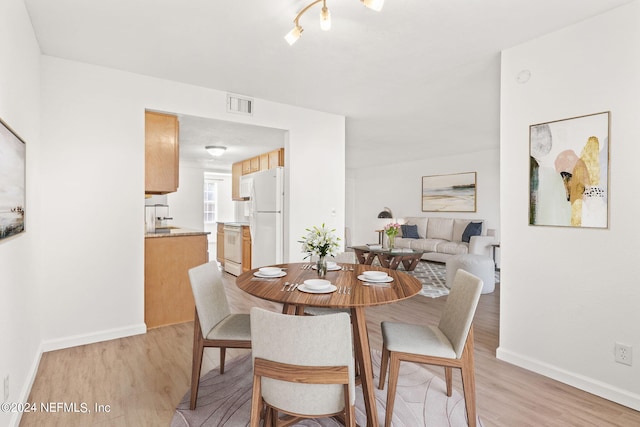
(442,238)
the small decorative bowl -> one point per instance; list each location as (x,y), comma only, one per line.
(270,271)
(317,284)
(374,275)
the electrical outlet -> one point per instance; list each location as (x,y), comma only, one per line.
(623,354)
(6,389)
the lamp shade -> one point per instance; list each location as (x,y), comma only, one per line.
(293,35)
(215,150)
(374,4)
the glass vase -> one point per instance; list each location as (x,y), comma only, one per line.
(392,242)
(321,267)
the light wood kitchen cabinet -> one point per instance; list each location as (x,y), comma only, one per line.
(246,166)
(220,243)
(276,158)
(168,298)
(161,153)
(255,164)
(264,162)
(246,248)
(236,173)
(251,165)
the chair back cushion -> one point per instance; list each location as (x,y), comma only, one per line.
(458,312)
(208,293)
(304,341)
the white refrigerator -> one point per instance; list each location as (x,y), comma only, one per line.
(266,208)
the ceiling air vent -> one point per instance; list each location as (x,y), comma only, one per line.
(239,104)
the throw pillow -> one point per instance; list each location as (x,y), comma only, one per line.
(409,231)
(473,229)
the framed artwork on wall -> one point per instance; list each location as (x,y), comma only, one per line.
(12,182)
(449,193)
(569,172)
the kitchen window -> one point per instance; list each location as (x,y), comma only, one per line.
(210,197)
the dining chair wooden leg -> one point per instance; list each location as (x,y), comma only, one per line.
(448,376)
(223,353)
(256,403)
(469,381)
(394,371)
(270,417)
(349,413)
(384,363)
(196,363)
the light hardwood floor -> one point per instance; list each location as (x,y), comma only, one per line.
(142,378)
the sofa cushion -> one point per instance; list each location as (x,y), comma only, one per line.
(410,231)
(473,229)
(428,245)
(421,222)
(459,225)
(453,248)
(401,242)
(440,228)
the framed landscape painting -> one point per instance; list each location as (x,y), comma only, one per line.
(569,172)
(449,193)
(12,182)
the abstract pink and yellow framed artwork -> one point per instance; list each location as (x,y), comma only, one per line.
(569,172)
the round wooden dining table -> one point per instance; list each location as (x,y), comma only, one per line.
(351,293)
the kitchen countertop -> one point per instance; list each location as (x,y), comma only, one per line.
(174,232)
(235,224)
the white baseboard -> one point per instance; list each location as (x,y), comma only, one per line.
(26,387)
(109,334)
(590,385)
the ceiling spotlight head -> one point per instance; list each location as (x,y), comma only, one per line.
(293,35)
(374,4)
(325,18)
(215,150)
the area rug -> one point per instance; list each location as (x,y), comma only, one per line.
(225,400)
(433,276)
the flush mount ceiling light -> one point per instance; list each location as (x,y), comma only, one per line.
(215,150)
(325,17)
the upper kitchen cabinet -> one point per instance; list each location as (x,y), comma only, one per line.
(264,162)
(236,173)
(161,153)
(276,158)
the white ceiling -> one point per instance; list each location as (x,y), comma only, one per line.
(419,79)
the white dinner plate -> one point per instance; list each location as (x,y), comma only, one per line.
(336,268)
(329,289)
(272,276)
(385,280)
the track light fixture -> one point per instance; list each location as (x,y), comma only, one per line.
(325,17)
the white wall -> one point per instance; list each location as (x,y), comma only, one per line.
(93,161)
(399,187)
(568,294)
(19,262)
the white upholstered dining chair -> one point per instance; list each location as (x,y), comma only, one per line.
(449,344)
(303,367)
(214,324)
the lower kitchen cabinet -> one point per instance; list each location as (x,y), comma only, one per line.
(167,291)
(220,243)
(246,248)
